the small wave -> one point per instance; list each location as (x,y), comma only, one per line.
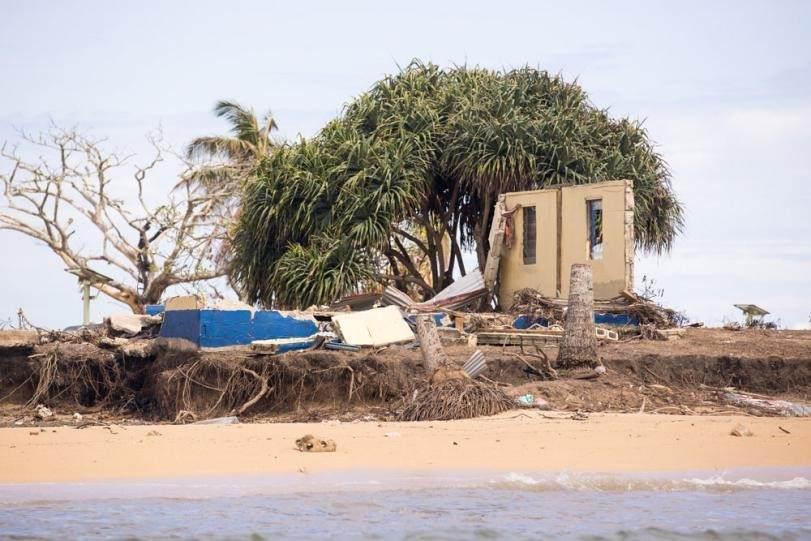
(572,481)
(718,481)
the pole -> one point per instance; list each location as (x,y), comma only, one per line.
(85,302)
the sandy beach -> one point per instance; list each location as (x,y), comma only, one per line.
(509,442)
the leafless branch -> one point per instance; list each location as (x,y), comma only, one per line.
(68,193)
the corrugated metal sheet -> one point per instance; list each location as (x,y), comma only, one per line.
(472,281)
(462,292)
(475,365)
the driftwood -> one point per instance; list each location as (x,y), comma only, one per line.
(767,405)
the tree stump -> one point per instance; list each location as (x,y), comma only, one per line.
(579,344)
(433,355)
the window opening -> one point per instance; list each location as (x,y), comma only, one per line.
(595,219)
(529,234)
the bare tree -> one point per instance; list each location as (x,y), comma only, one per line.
(71,198)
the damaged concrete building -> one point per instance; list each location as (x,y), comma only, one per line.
(546,231)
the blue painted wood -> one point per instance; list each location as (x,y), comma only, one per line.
(302,343)
(181,324)
(268,324)
(220,328)
(600,318)
(154,309)
(615,319)
(525,322)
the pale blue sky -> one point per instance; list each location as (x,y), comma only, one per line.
(725,88)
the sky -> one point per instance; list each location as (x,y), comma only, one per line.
(724,89)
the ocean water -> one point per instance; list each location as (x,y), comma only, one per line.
(755,504)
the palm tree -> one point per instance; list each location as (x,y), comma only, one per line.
(225,164)
(228,160)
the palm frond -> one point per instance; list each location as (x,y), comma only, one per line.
(217,147)
(244,125)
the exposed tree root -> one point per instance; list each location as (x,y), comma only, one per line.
(90,378)
(455,399)
(218,384)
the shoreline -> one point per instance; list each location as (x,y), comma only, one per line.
(359,481)
(511,442)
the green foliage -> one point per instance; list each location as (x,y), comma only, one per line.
(431,149)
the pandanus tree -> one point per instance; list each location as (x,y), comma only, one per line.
(414,166)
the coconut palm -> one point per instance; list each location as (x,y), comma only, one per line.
(228,160)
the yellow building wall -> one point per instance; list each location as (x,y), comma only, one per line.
(608,273)
(513,273)
(611,274)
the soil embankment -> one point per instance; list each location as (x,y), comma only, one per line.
(161,382)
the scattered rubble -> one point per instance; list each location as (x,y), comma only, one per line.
(355,358)
(634,309)
(741,431)
(312,444)
(42,413)
(132,324)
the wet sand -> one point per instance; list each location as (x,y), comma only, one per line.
(513,441)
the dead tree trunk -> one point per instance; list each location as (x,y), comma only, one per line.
(433,355)
(579,344)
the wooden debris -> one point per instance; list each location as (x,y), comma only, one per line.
(767,405)
(518,337)
(530,302)
(496,241)
(463,292)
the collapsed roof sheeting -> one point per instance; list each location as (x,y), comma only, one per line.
(462,292)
